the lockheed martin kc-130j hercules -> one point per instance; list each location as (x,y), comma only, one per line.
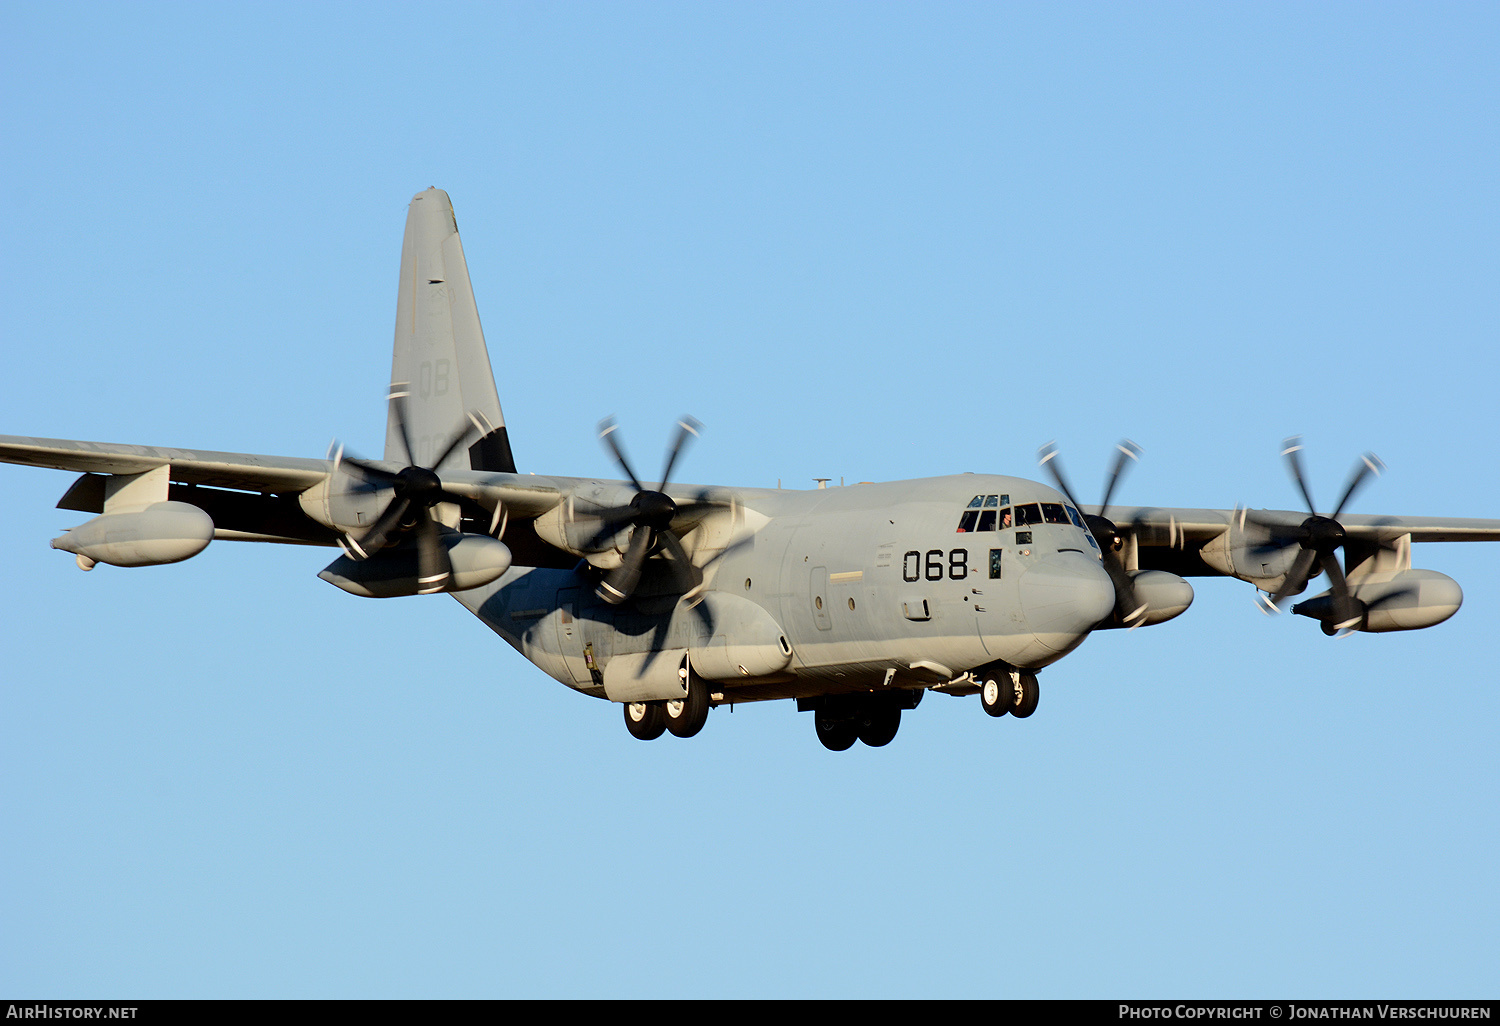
(670,599)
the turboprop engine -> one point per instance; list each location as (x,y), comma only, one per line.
(162,532)
(474,559)
(1389,600)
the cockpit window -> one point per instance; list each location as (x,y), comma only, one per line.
(1076,517)
(981,514)
(1029,514)
(1052,513)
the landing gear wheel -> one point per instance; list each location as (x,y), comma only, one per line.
(686,716)
(837,735)
(1028,693)
(879,727)
(645,720)
(997,695)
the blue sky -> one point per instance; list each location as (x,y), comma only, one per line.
(868,241)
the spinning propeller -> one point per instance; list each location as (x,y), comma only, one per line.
(417,490)
(1128,605)
(650,514)
(1320,537)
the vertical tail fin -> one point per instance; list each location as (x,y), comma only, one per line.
(440,356)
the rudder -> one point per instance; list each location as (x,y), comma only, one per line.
(439,351)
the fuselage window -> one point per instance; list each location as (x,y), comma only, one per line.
(995,564)
(1052,513)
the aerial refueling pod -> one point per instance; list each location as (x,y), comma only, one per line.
(1164,595)
(163,532)
(476,559)
(1392,600)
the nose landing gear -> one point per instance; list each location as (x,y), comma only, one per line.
(1009,691)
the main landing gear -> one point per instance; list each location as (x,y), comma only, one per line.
(1009,691)
(683,717)
(841,720)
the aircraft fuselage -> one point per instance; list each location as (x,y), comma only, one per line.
(873,586)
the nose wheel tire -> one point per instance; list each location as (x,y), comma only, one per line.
(645,720)
(997,695)
(686,716)
(1028,692)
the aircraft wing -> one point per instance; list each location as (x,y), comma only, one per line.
(267,474)
(1165,526)
(250,497)
(1249,545)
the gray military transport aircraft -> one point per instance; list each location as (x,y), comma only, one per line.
(671,599)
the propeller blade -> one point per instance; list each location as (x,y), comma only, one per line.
(397,397)
(1047,457)
(607,431)
(1292,449)
(1129,452)
(453,443)
(622,580)
(1128,605)
(375,538)
(1368,464)
(367,471)
(611,520)
(687,428)
(1346,611)
(682,567)
(687,512)
(1279,529)
(1297,577)
(434,568)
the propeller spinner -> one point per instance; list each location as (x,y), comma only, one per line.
(650,513)
(416,491)
(1320,538)
(1129,606)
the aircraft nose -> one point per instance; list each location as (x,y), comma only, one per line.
(1064,596)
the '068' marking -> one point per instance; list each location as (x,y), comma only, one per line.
(917,565)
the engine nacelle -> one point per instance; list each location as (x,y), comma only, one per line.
(339,501)
(572,525)
(1165,595)
(1393,600)
(477,559)
(1243,552)
(163,532)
